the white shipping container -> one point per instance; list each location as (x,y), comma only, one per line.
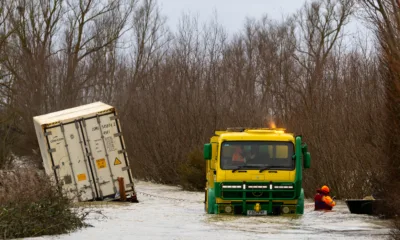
(84,150)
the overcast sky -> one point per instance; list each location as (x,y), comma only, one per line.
(231,13)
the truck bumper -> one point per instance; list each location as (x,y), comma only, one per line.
(256,208)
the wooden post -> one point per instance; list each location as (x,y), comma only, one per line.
(121,188)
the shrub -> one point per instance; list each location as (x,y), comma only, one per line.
(31,206)
(395,234)
(193,171)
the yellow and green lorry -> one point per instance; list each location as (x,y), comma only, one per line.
(255,171)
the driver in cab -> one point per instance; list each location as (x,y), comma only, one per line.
(237,156)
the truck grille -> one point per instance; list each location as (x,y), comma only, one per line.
(259,192)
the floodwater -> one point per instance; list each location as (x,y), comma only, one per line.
(166,212)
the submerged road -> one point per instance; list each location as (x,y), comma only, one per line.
(166,212)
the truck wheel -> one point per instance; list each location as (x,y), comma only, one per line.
(300,203)
(210,201)
(205,200)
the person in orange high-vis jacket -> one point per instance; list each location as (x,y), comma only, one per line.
(322,200)
(237,156)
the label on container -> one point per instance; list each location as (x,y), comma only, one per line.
(81,177)
(117,161)
(110,145)
(101,163)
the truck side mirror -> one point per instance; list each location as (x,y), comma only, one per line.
(307,160)
(207,151)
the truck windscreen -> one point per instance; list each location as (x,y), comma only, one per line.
(257,155)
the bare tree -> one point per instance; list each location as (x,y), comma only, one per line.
(320,29)
(385,17)
(34,26)
(320,25)
(174,90)
(92,25)
(28,56)
(8,128)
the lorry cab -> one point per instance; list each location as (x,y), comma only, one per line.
(255,172)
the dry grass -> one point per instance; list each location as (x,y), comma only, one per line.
(31,206)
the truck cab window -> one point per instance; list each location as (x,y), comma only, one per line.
(257,155)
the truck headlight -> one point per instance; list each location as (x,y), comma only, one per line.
(285,210)
(231,186)
(228,209)
(283,187)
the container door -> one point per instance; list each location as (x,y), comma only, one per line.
(70,162)
(104,138)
